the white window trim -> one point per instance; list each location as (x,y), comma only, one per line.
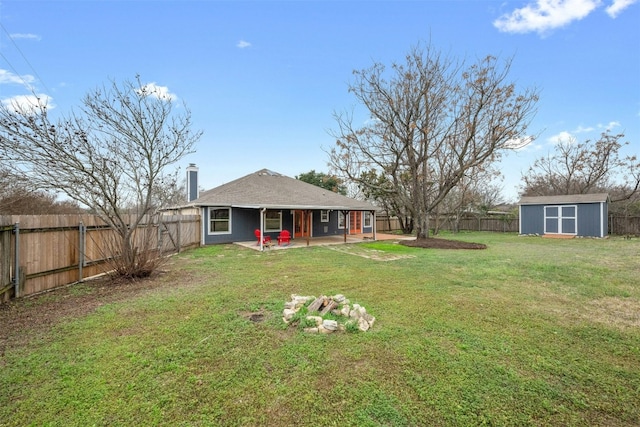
(216,233)
(365,215)
(265,221)
(345,223)
(559,218)
(324,216)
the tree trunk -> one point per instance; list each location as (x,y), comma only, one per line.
(422,227)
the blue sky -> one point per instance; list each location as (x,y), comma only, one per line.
(263,78)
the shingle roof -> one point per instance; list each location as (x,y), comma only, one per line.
(572,198)
(268,189)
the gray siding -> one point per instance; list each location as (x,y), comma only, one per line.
(532,219)
(331,228)
(244,222)
(591,221)
(325,228)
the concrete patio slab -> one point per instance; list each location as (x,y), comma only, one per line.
(324,241)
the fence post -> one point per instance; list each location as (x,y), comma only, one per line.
(82,242)
(16,260)
(159,242)
(178,235)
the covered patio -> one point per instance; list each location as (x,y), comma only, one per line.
(324,241)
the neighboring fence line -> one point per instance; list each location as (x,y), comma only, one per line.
(390,224)
(42,252)
(618,224)
(624,225)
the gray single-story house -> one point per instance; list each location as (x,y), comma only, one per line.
(272,202)
(583,215)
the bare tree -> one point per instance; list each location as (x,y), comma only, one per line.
(475,195)
(585,167)
(18,197)
(170,191)
(431,122)
(110,157)
(377,188)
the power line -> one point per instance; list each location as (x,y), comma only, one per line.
(25,60)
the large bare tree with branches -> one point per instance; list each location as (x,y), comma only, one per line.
(589,166)
(431,121)
(110,156)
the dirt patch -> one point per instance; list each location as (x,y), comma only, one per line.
(436,243)
(23,319)
(373,254)
(256,316)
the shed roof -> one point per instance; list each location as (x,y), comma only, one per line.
(268,189)
(571,198)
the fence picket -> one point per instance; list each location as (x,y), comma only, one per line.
(55,250)
(618,224)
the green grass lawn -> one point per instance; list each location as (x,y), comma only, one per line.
(530,331)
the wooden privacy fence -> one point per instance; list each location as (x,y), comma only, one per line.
(43,252)
(387,223)
(618,224)
(497,224)
(500,224)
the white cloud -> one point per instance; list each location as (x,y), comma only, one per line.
(609,126)
(545,15)
(581,129)
(570,136)
(7,77)
(618,6)
(27,36)
(520,143)
(561,137)
(29,104)
(542,16)
(243,44)
(160,92)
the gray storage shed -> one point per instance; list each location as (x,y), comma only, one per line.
(582,215)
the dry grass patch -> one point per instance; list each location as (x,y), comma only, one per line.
(373,254)
(615,311)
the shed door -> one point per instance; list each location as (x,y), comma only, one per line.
(568,220)
(560,219)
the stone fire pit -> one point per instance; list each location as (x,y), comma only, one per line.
(326,314)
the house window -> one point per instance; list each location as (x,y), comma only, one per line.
(341,219)
(273,221)
(220,221)
(324,216)
(367,219)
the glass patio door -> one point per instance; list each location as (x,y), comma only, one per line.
(355,222)
(301,223)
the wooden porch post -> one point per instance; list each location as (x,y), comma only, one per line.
(373,214)
(346,223)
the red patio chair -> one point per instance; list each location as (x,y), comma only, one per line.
(284,237)
(265,241)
